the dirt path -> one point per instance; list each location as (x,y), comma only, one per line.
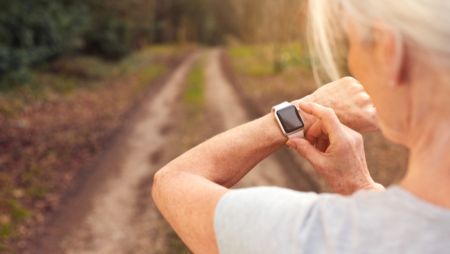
(109,226)
(221,96)
(113,211)
(100,219)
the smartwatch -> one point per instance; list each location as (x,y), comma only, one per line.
(290,121)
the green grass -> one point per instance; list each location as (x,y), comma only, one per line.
(264,60)
(149,74)
(193,106)
(252,60)
(8,229)
(194,94)
(17,211)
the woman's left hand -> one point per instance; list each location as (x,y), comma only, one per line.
(349,101)
(338,155)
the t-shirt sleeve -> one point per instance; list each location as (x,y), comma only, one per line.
(261,220)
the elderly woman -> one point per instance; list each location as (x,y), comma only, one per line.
(399,51)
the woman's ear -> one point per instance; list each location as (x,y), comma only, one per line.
(390,52)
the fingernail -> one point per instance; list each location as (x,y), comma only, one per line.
(291,144)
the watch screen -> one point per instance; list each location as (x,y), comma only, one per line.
(290,119)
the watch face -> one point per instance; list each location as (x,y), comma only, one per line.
(290,119)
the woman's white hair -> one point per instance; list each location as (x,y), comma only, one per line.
(425,23)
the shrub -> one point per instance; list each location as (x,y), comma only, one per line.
(32,32)
(110,37)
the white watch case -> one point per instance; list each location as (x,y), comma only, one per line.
(299,133)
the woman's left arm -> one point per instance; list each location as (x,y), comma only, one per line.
(188,189)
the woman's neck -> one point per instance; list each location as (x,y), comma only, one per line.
(428,136)
(428,175)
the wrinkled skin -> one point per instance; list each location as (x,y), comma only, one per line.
(335,115)
(338,155)
(350,102)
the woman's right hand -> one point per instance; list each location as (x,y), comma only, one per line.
(338,155)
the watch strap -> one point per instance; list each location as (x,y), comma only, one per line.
(281,106)
(298,134)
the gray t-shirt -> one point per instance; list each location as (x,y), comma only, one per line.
(275,220)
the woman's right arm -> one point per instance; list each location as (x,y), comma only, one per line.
(338,155)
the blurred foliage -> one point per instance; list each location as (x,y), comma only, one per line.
(32,32)
(268,59)
(110,38)
(185,21)
(118,26)
(262,21)
(35,32)
(66,74)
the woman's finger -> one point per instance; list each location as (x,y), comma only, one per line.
(322,144)
(330,122)
(317,137)
(314,132)
(306,150)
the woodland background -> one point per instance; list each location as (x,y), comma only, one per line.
(33,33)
